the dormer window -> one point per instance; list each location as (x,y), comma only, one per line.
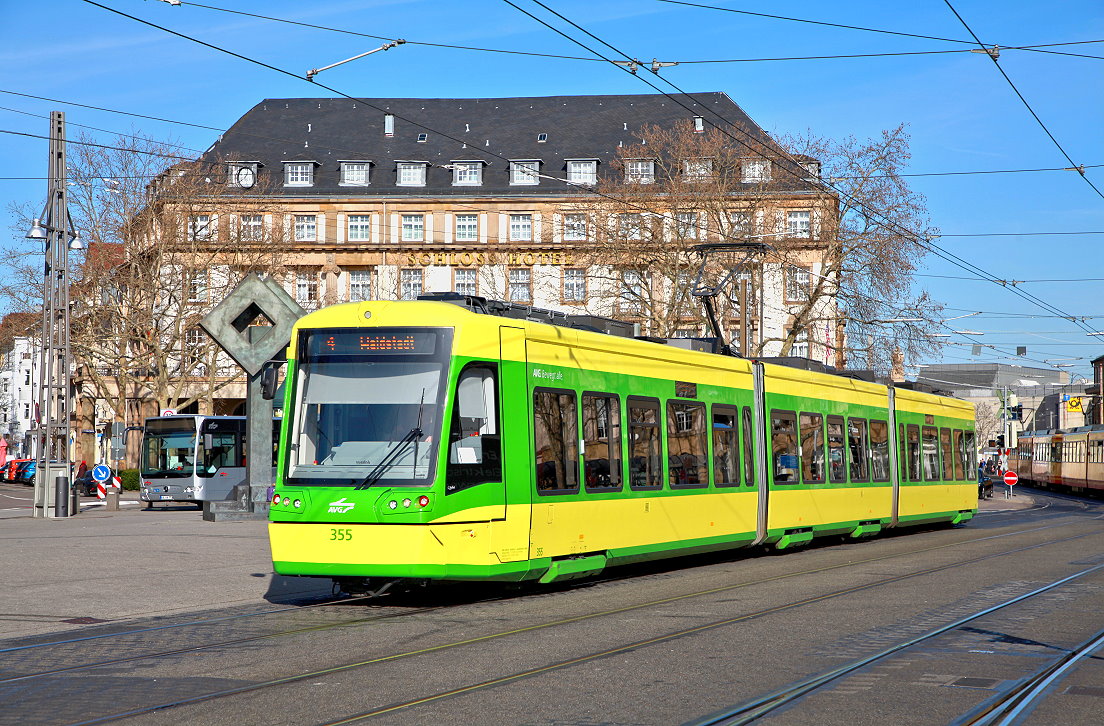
(410,173)
(697,170)
(467,173)
(582,171)
(355,173)
(524,172)
(298,173)
(640,171)
(755,170)
(541,138)
(242,174)
(422,138)
(813,167)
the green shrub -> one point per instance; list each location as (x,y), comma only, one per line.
(130,479)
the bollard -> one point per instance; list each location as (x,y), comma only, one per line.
(74,503)
(61,496)
(112,501)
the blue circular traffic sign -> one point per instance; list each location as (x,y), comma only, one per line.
(101,473)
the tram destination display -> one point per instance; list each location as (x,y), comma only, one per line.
(360,342)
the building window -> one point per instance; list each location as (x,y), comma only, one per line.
(574,285)
(413,228)
(630,225)
(631,297)
(410,284)
(306,288)
(521,285)
(797,283)
(797,224)
(251,227)
(360,285)
(467,228)
(199,227)
(411,174)
(800,348)
(463,281)
(521,227)
(697,170)
(360,227)
(306,227)
(741,222)
(640,171)
(299,174)
(197,286)
(355,173)
(755,170)
(686,225)
(582,172)
(524,172)
(194,338)
(575,228)
(467,173)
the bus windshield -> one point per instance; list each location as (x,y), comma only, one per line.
(168,448)
(368,407)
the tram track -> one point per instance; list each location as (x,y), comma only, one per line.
(373,598)
(333,670)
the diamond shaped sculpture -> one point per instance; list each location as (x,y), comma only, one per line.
(229,322)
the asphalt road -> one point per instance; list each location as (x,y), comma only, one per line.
(204,629)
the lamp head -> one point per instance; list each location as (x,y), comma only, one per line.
(77,243)
(37,231)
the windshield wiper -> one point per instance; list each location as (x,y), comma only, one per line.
(393,454)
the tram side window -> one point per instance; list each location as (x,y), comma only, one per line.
(686,444)
(784,447)
(749,451)
(929,436)
(948,457)
(969,447)
(913,454)
(837,464)
(726,447)
(879,451)
(644,445)
(601,441)
(856,444)
(474,439)
(556,439)
(812,448)
(960,456)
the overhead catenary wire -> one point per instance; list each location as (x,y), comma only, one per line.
(334,90)
(1027,105)
(926,243)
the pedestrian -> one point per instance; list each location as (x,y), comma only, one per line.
(82,469)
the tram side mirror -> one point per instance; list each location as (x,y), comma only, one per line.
(269,381)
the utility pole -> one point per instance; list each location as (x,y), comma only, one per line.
(53,400)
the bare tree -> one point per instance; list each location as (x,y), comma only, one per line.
(166,240)
(838,254)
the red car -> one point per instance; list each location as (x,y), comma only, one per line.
(7,473)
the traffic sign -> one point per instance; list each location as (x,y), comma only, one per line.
(1010,478)
(101,473)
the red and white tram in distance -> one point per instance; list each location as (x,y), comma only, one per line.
(1071,459)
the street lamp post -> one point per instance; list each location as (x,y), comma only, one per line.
(55,228)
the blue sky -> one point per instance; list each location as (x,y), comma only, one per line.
(962,114)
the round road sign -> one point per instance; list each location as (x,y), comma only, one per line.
(1010,478)
(101,473)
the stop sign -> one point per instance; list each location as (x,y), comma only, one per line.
(1010,478)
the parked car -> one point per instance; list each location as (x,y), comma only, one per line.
(86,485)
(25,472)
(7,472)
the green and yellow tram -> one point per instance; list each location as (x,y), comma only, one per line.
(429,440)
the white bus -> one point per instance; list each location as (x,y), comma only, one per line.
(192,458)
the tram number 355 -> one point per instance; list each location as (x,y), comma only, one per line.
(341,534)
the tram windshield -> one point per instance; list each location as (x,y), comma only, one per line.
(169,447)
(368,408)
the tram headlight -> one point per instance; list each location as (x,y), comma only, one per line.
(297,503)
(406,504)
(392,504)
(276,499)
(423,501)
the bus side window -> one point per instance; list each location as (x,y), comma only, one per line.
(474,442)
